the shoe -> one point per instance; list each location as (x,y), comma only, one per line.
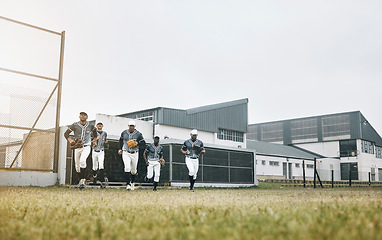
(192,189)
(128,187)
(102,185)
(106,180)
(154,189)
(132,187)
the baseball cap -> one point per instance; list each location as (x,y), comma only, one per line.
(83,113)
(194,132)
(132,123)
(157,137)
(99,122)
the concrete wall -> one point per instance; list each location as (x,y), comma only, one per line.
(13,178)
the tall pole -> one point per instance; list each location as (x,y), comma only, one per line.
(314,173)
(58,110)
(303,172)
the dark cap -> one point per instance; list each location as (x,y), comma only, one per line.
(83,113)
(156,137)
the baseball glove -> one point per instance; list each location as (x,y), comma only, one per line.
(132,143)
(162,161)
(196,148)
(76,144)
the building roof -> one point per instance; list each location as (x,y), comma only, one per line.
(231,115)
(279,150)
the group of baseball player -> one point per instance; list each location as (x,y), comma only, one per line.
(89,138)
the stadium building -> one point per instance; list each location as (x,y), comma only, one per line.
(345,143)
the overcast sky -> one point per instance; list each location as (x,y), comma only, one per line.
(289,58)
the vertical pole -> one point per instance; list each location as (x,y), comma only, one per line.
(332,178)
(314,173)
(58,110)
(229,167)
(170,167)
(303,172)
(349,176)
(369,179)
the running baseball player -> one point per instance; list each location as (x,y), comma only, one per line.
(192,148)
(98,155)
(129,149)
(83,133)
(153,156)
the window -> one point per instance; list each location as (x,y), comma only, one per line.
(263,162)
(272,132)
(334,126)
(225,134)
(367,147)
(297,165)
(309,166)
(145,116)
(304,130)
(273,163)
(348,148)
(378,152)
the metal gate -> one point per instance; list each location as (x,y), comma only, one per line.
(30,96)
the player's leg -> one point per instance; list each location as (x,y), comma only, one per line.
(157,174)
(95,160)
(101,166)
(191,171)
(150,170)
(84,155)
(127,164)
(134,164)
(196,167)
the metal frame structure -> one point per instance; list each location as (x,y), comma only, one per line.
(58,87)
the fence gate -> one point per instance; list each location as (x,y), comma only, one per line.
(31,65)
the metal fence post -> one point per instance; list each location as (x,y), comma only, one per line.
(369,179)
(314,173)
(332,178)
(303,172)
(349,178)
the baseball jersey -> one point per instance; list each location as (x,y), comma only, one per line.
(154,153)
(188,144)
(101,142)
(126,136)
(83,132)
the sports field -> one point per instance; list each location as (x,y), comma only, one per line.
(266,212)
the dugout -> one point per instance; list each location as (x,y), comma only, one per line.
(221,166)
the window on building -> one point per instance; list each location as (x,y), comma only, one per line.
(273,163)
(225,134)
(145,116)
(297,165)
(263,162)
(336,126)
(378,152)
(272,132)
(304,130)
(348,148)
(309,166)
(367,147)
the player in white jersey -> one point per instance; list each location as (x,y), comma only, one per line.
(152,155)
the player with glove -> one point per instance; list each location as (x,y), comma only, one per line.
(192,148)
(129,149)
(83,133)
(98,155)
(153,156)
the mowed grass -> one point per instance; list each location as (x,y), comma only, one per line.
(253,213)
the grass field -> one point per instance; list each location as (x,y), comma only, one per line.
(266,212)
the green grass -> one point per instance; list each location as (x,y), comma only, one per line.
(253,213)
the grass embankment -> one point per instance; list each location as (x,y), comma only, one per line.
(254,213)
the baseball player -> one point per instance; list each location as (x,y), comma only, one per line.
(98,155)
(129,149)
(83,131)
(192,148)
(153,155)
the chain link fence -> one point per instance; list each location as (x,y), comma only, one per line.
(31,60)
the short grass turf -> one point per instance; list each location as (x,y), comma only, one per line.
(252,213)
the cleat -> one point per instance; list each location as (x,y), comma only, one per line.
(132,187)
(154,189)
(82,186)
(191,189)
(103,185)
(128,187)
